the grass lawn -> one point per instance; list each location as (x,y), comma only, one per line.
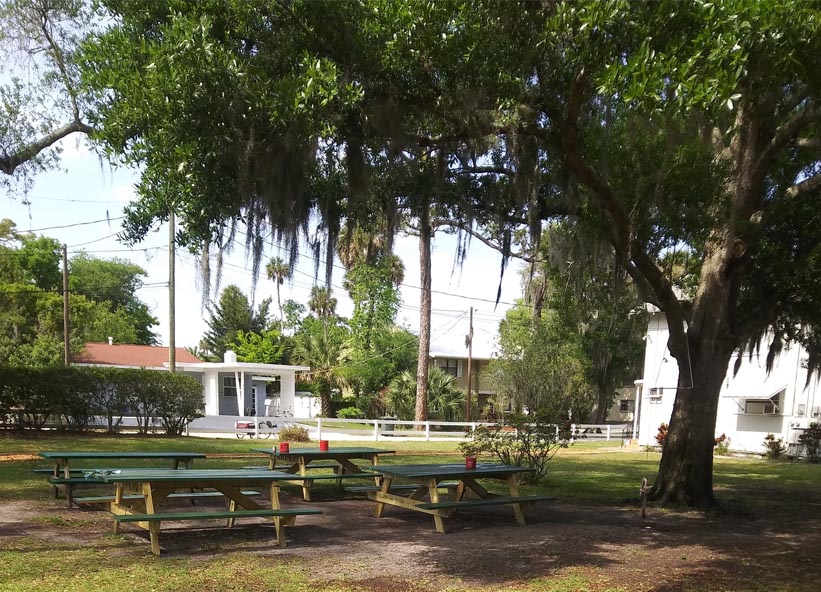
(593,475)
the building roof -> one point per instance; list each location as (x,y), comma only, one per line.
(133,356)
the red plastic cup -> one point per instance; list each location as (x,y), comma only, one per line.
(284,447)
(323,445)
(470,462)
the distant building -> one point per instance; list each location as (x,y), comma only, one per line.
(455,363)
(752,404)
(229,387)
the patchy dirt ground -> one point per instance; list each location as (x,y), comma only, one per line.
(400,552)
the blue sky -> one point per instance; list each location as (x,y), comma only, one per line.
(81,206)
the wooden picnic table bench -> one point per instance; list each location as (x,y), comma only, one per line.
(299,461)
(66,477)
(140,497)
(423,482)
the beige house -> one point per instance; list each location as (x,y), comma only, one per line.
(455,363)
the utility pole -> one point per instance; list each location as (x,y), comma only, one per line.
(469,343)
(66,311)
(172,338)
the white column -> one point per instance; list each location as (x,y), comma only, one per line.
(239,378)
(639,384)
(211,390)
(287,392)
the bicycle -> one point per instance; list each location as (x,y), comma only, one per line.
(254,432)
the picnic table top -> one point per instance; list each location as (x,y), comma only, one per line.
(210,475)
(449,470)
(351,451)
(120,455)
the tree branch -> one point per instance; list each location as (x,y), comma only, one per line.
(806,186)
(808,143)
(488,242)
(9,163)
(784,135)
(636,261)
(480,170)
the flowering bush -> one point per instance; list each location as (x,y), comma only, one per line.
(662,434)
(774,447)
(722,445)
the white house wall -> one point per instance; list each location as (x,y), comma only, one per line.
(661,372)
(746,432)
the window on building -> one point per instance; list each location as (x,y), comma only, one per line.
(771,406)
(624,405)
(229,386)
(449,366)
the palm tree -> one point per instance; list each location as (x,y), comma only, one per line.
(278,271)
(321,350)
(321,303)
(444,396)
(402,395)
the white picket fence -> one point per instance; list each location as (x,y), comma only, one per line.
(374,430)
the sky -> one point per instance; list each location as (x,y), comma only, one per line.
(81,206)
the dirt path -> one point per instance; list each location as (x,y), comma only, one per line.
(401,552)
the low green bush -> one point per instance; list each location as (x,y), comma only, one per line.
(350,413)
(294,434)
(72,397)
(811,439)
(773,447)
(519,440)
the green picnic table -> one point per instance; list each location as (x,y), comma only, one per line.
(425,480)
(141,495)
(298,461)
(61,475)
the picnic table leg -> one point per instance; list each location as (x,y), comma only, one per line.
(386,487)
(153,526)
(279,524)
(433,493)
(513,487)
(306,484)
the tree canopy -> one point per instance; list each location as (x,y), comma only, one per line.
(102,300)
(668,129)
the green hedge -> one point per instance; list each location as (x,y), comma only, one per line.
(71,397)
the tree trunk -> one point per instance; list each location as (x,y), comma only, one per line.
(703,354)
(424,315)
(325,401)
(602,400)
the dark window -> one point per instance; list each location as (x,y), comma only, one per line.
(624,405)
(229,386)
(450,367)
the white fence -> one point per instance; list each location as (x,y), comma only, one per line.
(375,430)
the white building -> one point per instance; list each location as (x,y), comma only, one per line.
(229,387)
(753,403)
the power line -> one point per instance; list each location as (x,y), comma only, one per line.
(74,225)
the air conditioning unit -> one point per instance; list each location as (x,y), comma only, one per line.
(816,411)
(802,409)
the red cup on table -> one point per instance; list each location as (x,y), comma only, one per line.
(284,447)
(323,445)
(470,462)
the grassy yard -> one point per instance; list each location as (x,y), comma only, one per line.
(587,474)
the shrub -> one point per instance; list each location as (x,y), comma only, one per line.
(350,413)
(811,439)
(661,436)
(294,434)
(774,447)
(520,440)
(722,445)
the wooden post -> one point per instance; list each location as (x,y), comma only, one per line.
(469,340)
(643,495)
(172,327)
(66,311)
